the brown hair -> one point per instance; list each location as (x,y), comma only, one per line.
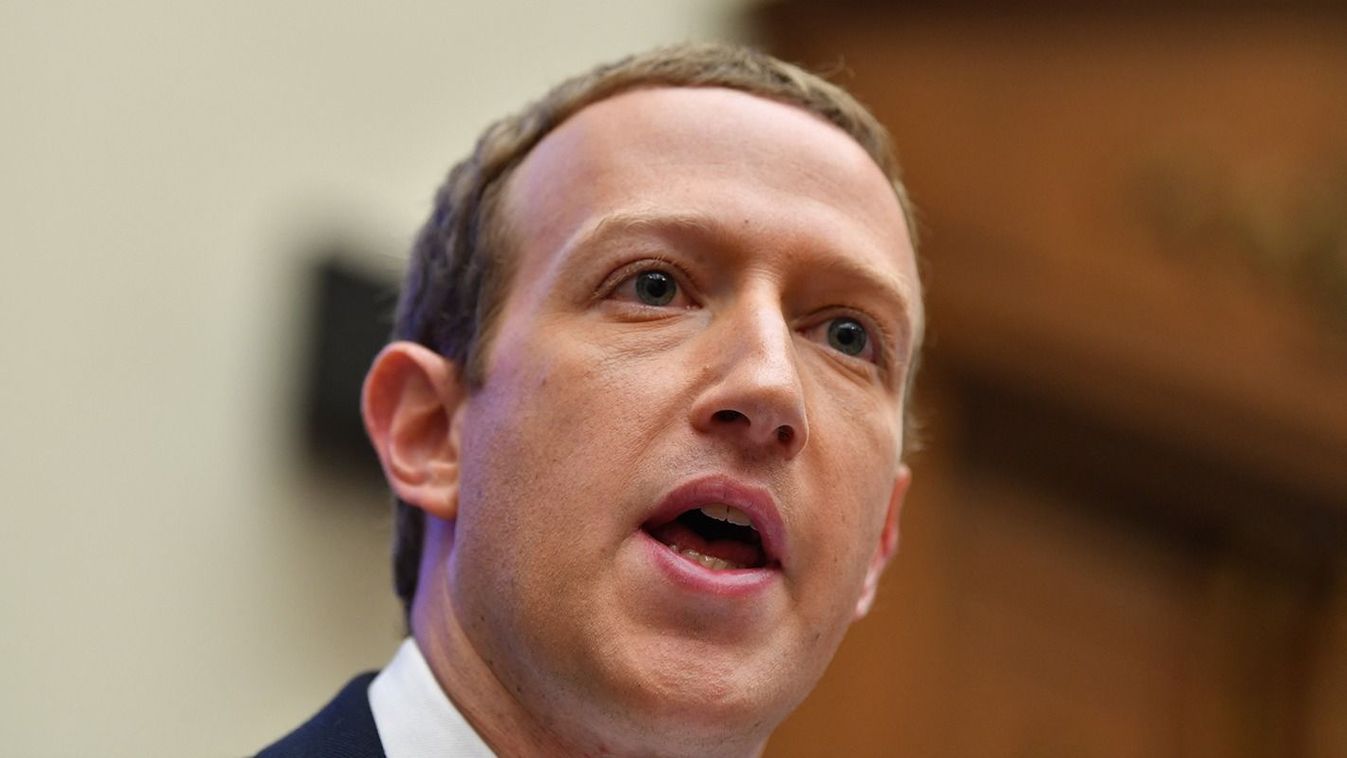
(459,271)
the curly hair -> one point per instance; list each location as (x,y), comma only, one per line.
(460,267)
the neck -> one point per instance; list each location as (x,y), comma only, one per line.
(498,717)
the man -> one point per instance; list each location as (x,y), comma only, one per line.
(644,418)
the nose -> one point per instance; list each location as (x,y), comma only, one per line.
(752,393)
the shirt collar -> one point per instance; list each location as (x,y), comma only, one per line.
(414,716)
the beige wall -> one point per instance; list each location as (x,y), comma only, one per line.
(172,581)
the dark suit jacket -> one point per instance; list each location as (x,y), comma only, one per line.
(343,729)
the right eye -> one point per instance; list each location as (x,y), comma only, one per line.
(653,287)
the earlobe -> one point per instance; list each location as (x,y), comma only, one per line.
(888,543)
(411,403)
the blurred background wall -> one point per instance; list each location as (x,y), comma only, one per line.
(1126,536)
(175,578)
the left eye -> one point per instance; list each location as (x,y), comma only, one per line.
(847,335)
(655,287)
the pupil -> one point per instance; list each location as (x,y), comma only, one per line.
(846,335)
(655,288)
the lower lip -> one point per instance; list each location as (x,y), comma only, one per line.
(727,583)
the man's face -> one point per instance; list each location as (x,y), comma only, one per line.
(714,303)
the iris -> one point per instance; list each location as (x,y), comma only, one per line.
(847,335)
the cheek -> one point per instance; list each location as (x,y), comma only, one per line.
(854,454)
(550,441)
(549,447)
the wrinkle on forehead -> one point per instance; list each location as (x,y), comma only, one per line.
(718,126)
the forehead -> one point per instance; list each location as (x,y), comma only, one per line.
(772,174)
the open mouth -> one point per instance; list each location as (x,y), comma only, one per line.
(717,536)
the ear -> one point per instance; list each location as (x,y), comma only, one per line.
(412,404)
(888,543)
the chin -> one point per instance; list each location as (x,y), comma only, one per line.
(706,700)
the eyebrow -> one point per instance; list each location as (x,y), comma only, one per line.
(907,295)
(658,222)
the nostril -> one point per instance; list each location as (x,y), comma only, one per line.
(729,416)
(785,434)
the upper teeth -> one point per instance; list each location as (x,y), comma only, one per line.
(722,512)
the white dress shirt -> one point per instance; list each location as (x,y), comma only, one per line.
(414,717)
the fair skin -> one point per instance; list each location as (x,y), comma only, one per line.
(715,302)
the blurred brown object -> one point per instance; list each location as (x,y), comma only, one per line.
(1127,534)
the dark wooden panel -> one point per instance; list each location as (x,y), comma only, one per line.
(1127,536)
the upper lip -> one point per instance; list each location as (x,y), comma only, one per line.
(757,502)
